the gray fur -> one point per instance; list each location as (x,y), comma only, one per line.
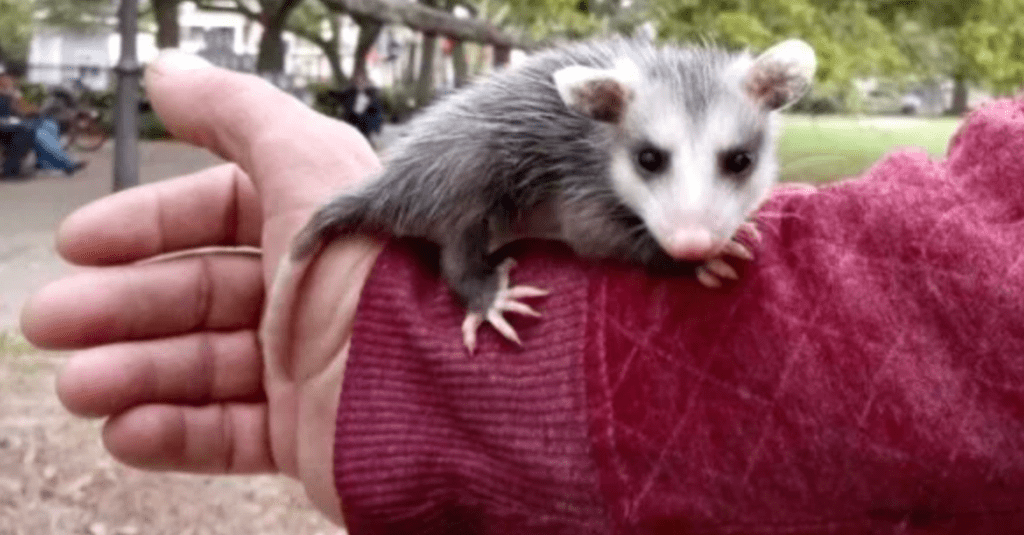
(505,158)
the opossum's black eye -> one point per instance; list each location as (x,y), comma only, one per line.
(736,162)
(652,159)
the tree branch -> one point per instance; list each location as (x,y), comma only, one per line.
(309,35)
(289,5)
(429,20)
(239,7)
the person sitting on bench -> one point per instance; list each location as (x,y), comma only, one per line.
(23,129)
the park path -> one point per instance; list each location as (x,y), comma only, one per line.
(30,211)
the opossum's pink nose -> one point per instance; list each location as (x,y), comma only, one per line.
(690,244)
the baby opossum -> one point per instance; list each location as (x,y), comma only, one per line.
(620,149)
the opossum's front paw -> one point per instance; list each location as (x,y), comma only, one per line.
(505,300)
(714,271)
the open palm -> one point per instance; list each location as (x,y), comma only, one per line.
(169,347)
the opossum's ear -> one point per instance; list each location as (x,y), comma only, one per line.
(781,75)
(601,94)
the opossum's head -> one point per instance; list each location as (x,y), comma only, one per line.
(694,150)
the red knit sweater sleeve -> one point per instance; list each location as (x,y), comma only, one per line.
(432,440)
(865,375)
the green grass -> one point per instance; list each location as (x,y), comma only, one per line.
(19,356)
(825,148)
(12,344)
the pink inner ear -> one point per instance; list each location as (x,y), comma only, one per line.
(772,85)
(604,100)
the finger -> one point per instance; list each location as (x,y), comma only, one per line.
(124,303)
(193,369)
(216,206)
(226,438)
(275,138)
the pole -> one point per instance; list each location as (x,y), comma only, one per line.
(126,114)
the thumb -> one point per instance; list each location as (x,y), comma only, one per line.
(295,156)
(214,108)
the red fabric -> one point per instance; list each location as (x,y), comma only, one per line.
(866,375)
(430,440)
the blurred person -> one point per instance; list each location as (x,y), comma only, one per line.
(363,107)
(28,130)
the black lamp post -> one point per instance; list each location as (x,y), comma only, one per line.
(126,113)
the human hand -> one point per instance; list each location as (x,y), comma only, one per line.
(168,346)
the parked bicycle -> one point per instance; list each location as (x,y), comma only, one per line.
(82,125)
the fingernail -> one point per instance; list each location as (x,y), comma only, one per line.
(173,59)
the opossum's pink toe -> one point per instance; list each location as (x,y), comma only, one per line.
(737,250)
(505,300)
(501,325)
(749,229)
(707,278)
(469,327)
(520,292)
(520,308)
(721,269)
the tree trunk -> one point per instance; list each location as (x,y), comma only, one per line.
(270,59)
(168,32)
(369,30)
(409,76)
(425,83)
(330,50)
(460,64)
(428,19)
(502,55)
(481,55)
(960,94)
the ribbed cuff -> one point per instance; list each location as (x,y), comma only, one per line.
(433,440)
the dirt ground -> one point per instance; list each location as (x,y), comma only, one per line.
(55,477)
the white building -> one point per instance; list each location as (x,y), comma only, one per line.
(58,56)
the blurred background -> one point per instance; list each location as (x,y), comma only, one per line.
(891,74)
(879,60)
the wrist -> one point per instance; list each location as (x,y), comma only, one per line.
(427,433)
(306,332)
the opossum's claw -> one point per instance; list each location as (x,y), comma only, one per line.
(501,325)
(505,300)
(750,229)
(712,272)
(469,327)
(721,269)
(706,278)
(715,270)
(738,250)
(520,292)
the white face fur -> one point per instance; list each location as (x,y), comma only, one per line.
(694,180)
